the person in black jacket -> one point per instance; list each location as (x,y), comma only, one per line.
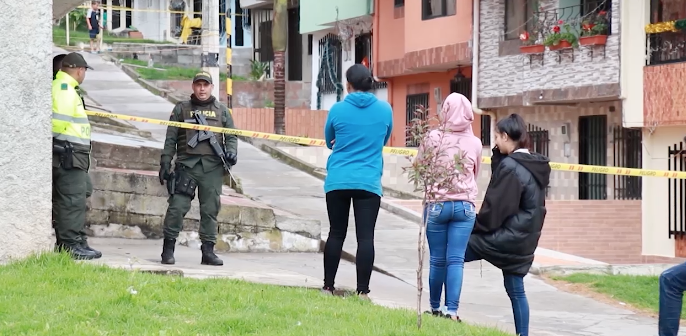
(510,220)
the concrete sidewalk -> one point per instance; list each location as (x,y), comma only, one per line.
(553,312)
(269,181)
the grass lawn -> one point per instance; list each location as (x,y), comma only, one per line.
(59,37)
(639,291)
(52,295)
(172,73)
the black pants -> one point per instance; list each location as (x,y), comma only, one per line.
(366,210)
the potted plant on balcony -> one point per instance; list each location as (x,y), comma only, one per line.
(529,44)
(594,29)
(559,39)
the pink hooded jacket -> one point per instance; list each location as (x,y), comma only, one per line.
(459,139)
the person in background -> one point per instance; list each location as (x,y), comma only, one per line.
(357,130)
(509,223)
(450,219)
(57,64)
(672,287)
(94,26)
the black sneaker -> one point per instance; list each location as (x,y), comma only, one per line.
(436,313)
(326,290)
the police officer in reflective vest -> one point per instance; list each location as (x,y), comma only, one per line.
(196,167)
(71,133)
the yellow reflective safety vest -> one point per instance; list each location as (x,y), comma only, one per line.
(69,120)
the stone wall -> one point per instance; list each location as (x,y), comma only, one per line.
(183,55)
(26,130)
(504,72)
(249,94)
(132,204)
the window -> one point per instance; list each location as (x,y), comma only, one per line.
(399,3)
(519,16)
(437,8)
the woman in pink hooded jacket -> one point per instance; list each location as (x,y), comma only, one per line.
(451,218)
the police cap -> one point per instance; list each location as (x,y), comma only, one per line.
(203,76)
(75,60)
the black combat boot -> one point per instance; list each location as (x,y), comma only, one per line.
(85,246)
(168,252)
(79,253)
(208,256)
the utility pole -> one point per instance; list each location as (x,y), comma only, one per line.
(210,42)
(279,38)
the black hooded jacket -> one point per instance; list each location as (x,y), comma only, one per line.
(509,223)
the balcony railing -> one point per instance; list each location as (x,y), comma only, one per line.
(668,47)
(576,18)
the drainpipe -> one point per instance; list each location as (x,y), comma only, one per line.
(475,63)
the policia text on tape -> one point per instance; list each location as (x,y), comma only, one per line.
(390,150)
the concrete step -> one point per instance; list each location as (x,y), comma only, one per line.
(130,203)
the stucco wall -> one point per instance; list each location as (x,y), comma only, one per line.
(25,135)
(656,192)
(511,75)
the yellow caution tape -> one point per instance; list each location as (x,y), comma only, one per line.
(572,167)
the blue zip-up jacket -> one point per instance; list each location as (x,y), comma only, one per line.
(361,125)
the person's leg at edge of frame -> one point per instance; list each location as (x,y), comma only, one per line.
(209,196)
(672,287)
(437,237)
(366,210)
(179,205)
(514,286)
(459,230)
(338,209)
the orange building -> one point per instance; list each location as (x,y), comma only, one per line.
(422,50)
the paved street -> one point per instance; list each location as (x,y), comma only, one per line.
(274,183)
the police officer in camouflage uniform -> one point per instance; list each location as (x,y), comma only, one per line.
(196,168)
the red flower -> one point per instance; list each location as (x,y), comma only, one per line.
(556,29)
(560,22)
(587,26)
(602,13)
(524,36)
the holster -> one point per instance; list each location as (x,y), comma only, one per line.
(65,153)
(184,185)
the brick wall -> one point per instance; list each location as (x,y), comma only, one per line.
(299,122)
(664,95)
(250,94)
(608,231)
(510,75)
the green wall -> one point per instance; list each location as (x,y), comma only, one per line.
(321,14)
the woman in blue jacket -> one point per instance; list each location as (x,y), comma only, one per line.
(356,130)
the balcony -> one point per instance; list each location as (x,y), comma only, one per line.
(318,15)
(664,48)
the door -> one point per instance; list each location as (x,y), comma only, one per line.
(593,151)
(295,46)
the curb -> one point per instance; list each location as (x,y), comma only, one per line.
(272,149)
(628,269)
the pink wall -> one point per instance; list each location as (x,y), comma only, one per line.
(410,33)
(398,93)
(391,33)
(437,32)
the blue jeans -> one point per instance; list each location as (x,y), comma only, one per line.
(672,287)
(514,286)
(448,227)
